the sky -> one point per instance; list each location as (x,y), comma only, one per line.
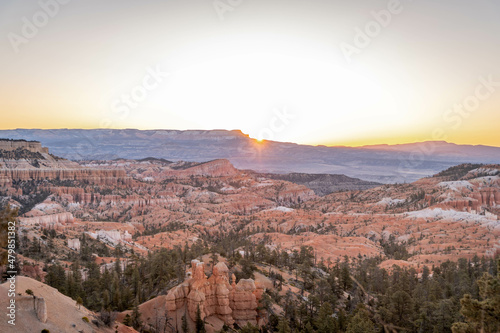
(311,72)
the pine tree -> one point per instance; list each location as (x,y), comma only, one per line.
(342,320)
(361,322)
(118,266)
(105,299)
(325,322)
(136,281)
(249,328)
(483,316)
(135,319)
(402,305)
(184,324)
(308,328)
(345,277)
(127,320)
(283,326)
(214,259)
(200,324)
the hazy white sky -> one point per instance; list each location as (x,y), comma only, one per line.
(290,70)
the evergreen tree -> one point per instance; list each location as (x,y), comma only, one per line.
(325,322)
(127,320)
(361,322)
(308,328)
(283,326)
(482,316)
(401,303)
(135,318)
(184,324)
(200,324)
(342,320)
(249,328)
(345,277)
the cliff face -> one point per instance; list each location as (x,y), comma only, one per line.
(49,221)
(32,146)
(27,160)
(215,296)
(101,177)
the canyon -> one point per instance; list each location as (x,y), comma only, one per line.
(137,207)
(188,201)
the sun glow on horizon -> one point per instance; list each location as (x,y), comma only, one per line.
(273,97)
(272,70)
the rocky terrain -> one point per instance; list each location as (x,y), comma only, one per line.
(452,214)
(102,210)
(384,164)
(161,203)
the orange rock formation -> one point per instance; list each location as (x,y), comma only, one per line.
(215,296)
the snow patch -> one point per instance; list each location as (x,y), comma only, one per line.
(282,209)
(456,185)
(390,201)
(485,171)
(49,208)
(439,213)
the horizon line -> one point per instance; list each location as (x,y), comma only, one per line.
(247,135)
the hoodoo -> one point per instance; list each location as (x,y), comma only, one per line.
(215,296)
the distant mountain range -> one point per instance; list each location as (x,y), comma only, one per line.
(380,163)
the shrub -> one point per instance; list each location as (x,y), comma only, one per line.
(85,319)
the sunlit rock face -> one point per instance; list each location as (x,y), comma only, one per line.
(215,296)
